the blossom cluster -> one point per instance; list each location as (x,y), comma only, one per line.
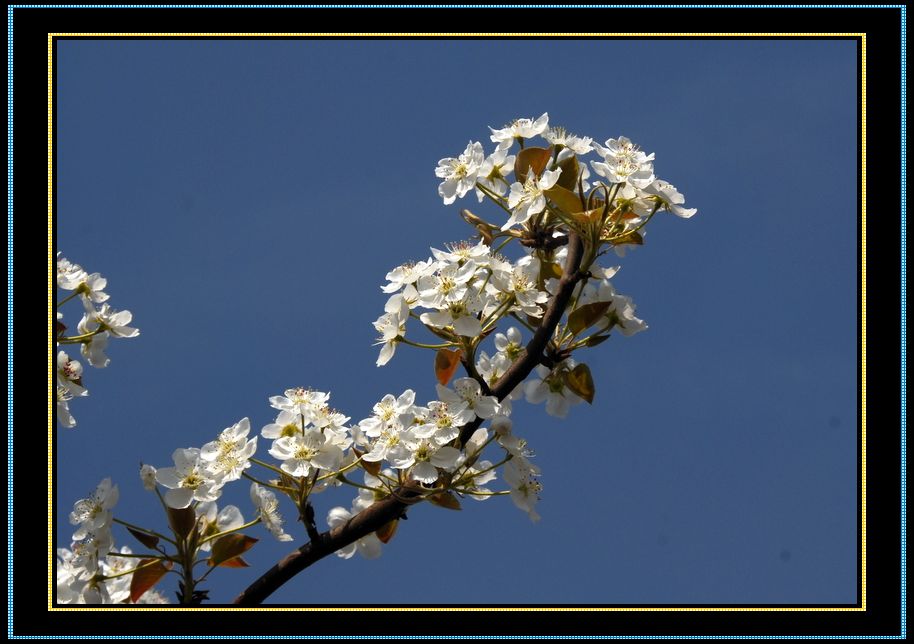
(91,571)
(564,211)
(98,324)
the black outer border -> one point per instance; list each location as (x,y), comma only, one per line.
(883,614)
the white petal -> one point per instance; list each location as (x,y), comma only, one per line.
(179,498)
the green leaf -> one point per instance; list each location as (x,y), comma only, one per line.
(182,521)
(145,578)
(586,316)
(229,547)
(580,382)
(445,500)
(565,199)
(146,539)
(528,159)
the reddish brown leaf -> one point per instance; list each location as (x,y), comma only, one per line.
(182,521)
(146,539)
(145,578)
(386,532)
(445,500)
(229,547)
(235,562)
(531,159)
(446,363)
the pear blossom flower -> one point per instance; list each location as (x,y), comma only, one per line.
(229,455)
(64,417)
(94,350)
(525,488)
(93,514)
(91,291)
(391,326)
(459,174)
(312,450)
(468,391)
(188,480)
(671,198)
(624,162)
(459,315)
(300,400)
(494,171)
(424,456)
(266,505)
(527,199)
(509,343)
(407,274)
(69,375)
(108,319)
(387,412)
(213,521)
(558,136)
(287,423)
(549,385)
(444,421)
(449,284)
(148,477)
(521,129)
(69,275)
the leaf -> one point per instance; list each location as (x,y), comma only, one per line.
(595,340)
(445,500)
(446,362)
(580,382)
(229,547)
(634,238)
(372,468)
(564,198)
(531,159)
(386,532)
(182,521)
(570,171)
(235,562)
(145,578)
(589,217)
(146,539)
(586,316)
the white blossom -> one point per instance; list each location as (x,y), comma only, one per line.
(267,508)
(459,174)
(521,129)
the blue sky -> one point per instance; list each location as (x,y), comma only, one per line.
(246,198)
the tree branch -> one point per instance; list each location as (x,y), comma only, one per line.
(364,523)
(393,507)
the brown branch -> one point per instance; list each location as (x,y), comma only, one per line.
(364,523)
(394,507)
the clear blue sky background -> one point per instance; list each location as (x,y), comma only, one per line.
(245,200)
